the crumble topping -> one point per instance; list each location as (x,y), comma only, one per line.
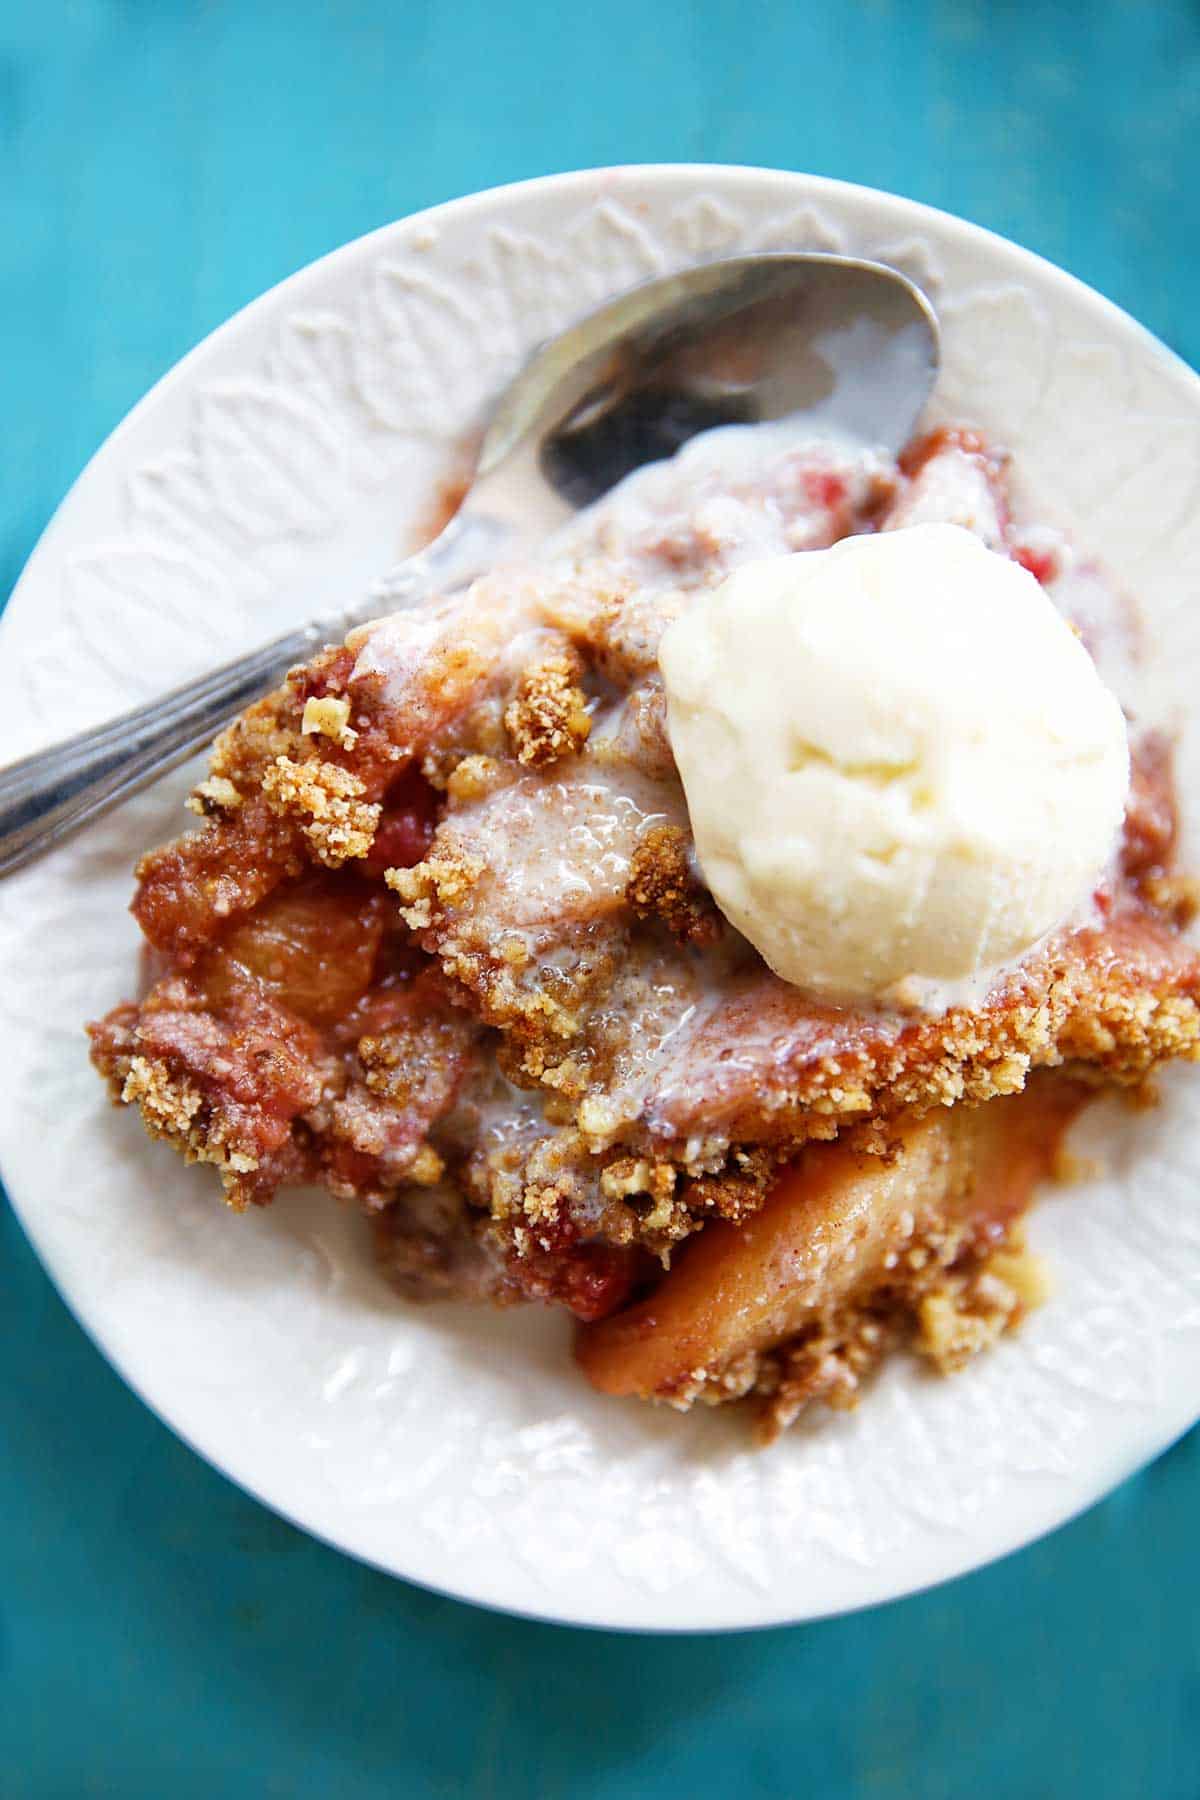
(441,880)
(947,1317)
(170,1110)
(663,882)
(473,778)
(969,1311)
(456,964)
(329,716)
(216,796)
(327,802)
(549,717)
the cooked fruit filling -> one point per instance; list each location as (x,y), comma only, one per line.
(442,942)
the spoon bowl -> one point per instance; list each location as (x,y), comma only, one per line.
(850,347)
(847,347)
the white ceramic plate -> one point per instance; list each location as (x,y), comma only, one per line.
(293,455)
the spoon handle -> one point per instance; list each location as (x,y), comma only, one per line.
(47,797)
(50,795)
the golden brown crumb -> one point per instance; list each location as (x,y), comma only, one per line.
(738,1190)
(564,1078)
(473,778)
(627,1175)
(633,1177)
(426,1167)
(397,1064)
(214,797)
(268,730)
(328,715)
(946,1314)
(542,1204)
(172,1109)
(327,803)
(829,1364)
(548,719)
(968,1311)
(441,880)
(950,1331)
(661,881)
(598,1119)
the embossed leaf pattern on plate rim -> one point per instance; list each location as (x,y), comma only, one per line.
(297,447)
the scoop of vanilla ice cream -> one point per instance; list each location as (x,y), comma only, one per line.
(901,765)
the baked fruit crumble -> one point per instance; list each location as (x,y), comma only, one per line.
(441,944)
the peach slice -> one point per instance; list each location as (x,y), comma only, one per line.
(824,1236)
(311,946)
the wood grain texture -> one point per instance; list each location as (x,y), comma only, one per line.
(159,165)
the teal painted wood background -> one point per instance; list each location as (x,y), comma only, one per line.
(162,161)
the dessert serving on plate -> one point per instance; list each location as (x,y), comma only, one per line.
(711,926)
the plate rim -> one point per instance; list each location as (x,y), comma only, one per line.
(1154,1441)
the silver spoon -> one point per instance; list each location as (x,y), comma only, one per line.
(849,346)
